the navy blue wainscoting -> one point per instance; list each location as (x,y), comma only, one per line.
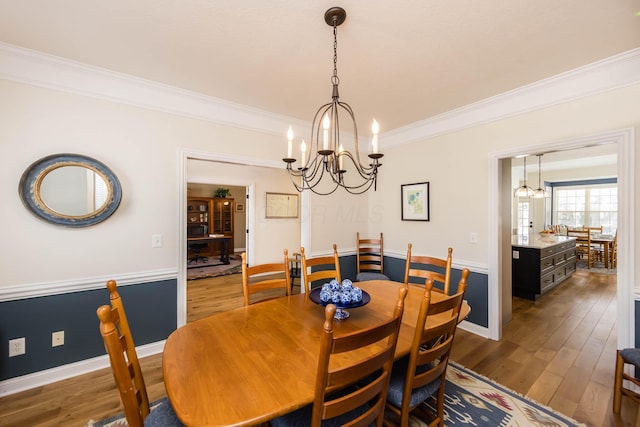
(477,293)
(151,310)
(637,323)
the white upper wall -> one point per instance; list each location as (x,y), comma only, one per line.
(101,118)
(139,145)
(456,165)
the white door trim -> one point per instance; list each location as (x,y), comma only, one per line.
(625,140)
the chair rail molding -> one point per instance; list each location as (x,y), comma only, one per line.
(43,289)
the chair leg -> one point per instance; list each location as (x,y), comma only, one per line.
(617,386)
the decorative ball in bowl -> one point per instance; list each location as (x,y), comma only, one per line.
(342,295)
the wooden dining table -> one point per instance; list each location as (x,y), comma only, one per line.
(246,366)
(605,241)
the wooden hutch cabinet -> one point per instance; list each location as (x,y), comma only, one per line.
(210,216)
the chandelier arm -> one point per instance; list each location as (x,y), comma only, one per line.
(311,184)
(363,190)
(365,172)
(349,110)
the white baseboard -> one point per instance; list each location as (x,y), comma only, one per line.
(37,379)
(474,329)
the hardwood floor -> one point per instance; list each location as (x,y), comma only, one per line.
(558,350)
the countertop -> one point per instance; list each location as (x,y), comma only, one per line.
(537,241)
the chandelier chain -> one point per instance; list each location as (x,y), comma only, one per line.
(335,79)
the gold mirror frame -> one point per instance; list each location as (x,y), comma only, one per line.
(33,177)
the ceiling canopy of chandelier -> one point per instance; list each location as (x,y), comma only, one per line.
(325,155)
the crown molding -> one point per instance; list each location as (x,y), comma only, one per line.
(39,69)
(610,73)
(35,68)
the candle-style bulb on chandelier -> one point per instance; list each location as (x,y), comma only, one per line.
(325,155)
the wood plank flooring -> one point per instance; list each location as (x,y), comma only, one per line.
(558,350)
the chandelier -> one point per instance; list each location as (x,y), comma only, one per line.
(325,154)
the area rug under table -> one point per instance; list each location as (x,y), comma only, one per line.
(470,400)
(474,400)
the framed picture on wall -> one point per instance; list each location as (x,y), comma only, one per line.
(415,201)
(239,207)
(281,205)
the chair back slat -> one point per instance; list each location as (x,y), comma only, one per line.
(122,324)
(431,347)
(124,369)
(369,254)
(252,283)
(320,268)
(583,245)
(427,267)
(365,354)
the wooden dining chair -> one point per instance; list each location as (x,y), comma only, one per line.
(583,245)
(264,277)
(422,374)
(597,248)
(118,342)
(295,268)
(593,229)
(352,374)
(320,268)
(418,268)
(630,356)
(370,259)
(613,253)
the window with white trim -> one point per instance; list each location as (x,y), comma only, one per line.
(589,205)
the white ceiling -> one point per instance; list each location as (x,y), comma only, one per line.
(400,61)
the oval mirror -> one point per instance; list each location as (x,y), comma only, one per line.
(70,190)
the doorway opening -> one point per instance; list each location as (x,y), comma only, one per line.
(501,228)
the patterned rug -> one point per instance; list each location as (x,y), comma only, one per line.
(211,267)
(597,268)
(470,400)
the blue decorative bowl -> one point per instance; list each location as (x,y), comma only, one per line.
(314,295)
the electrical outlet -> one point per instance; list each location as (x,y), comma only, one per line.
(17,347)
(473,237)
(57,338)
(156,241)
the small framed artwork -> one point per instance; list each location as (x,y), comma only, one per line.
(415,201)
(281,205)
(239,207)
